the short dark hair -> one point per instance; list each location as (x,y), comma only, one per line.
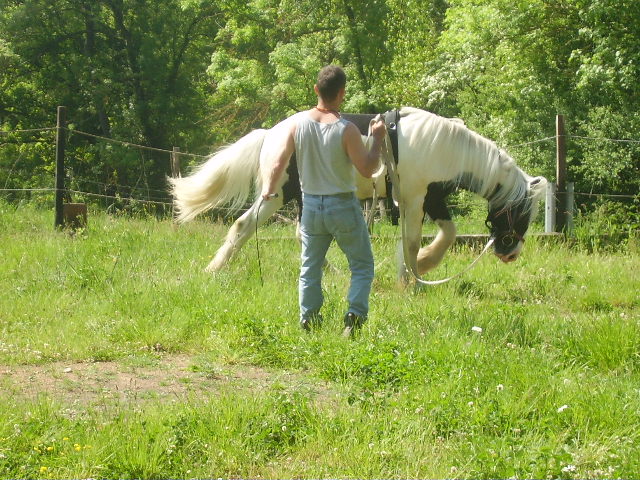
(330,80)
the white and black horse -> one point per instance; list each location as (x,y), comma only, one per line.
(436,155)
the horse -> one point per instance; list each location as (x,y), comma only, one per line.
(372,193)
(436,156)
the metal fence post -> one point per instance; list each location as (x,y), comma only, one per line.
(568,208)
(550,208)
(561,173)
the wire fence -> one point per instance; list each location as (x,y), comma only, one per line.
(133,145)
(143,195)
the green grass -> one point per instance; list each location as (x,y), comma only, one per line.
(548,389)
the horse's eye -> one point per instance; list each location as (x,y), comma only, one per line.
(508,240)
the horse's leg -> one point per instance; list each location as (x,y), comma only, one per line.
(413,216)
(435,206)
(382,208)
(365,204)
(368,208)
(430,256)
(241,231)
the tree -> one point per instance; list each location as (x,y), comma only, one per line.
(198,73)
(508,67)
(129,69)
(269,53)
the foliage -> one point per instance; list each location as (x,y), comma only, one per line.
(548,388)
(198,73)
(129,70)
(508,67)
(608,225)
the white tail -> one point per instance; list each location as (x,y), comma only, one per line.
(225,179)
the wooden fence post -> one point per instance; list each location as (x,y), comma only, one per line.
(561,174)
(60,147)
(175,162)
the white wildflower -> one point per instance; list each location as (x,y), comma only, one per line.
(476,329)
(562,408)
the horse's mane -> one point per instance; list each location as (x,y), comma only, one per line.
(490,171)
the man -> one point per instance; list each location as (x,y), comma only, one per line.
(327,147)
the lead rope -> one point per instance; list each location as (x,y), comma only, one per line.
(393,175)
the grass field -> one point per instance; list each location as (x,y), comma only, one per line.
(121,358)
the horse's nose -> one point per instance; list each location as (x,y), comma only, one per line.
(508,258)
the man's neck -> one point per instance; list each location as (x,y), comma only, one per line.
(329,105)
(326,110)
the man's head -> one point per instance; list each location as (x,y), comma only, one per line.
(331,80)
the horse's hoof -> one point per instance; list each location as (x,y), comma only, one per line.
(211,268)
(403,276)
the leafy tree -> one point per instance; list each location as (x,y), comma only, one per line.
(608,86)
(508,67)
(268,54)
(128,69)
(413,29)
(198,73)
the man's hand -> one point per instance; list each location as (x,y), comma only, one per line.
(268,196)
(378,128)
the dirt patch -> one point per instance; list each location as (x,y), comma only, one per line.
(169,376)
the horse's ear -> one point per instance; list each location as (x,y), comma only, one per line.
(537,185)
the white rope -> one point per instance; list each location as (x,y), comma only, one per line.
(469,267)
(117,185)
(123,199)
(532,142)
(604,195)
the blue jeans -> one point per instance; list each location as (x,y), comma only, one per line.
(324,218)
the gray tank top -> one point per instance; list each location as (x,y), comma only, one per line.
(323,164)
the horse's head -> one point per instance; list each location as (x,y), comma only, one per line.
(509,223)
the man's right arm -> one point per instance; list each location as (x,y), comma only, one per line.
(366,161)
(284,147)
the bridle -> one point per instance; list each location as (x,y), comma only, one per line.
(506,238)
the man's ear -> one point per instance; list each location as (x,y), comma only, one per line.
(315,89)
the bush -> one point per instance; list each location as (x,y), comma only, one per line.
(609,225)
